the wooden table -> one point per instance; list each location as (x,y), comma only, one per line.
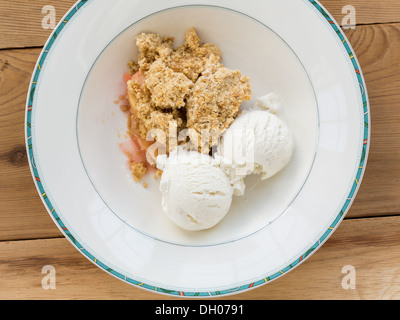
(368,239)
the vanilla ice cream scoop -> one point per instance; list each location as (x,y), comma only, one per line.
(196,194)
(257,142)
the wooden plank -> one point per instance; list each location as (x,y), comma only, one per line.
(369,245)
(377,48)
(367,11)
(23,216)
(21,21)
(22,213)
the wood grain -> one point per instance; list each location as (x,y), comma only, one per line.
(368,238)
(371,246)
(377,47)
(22,213)
(21,21)
(367,11)
(24,217)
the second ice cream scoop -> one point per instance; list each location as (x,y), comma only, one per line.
(257,142)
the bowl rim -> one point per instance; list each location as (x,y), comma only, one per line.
(320,9)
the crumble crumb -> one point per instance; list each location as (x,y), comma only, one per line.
(124,108)
(191,57)
(133,67)
(138,170)
(168,88)
(151,46)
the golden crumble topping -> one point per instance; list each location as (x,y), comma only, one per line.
(168,89)
(215,101)
(186,87)
(139,169)
(151,46)
(191,57)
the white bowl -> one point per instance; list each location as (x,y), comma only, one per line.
(292,48)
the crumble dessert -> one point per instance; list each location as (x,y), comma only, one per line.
(185,88)
(215,101)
